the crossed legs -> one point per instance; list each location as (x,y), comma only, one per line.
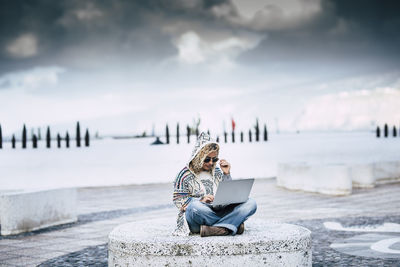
(199,213)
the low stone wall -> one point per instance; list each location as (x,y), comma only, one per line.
(362,175)
(336,179)
(24,211)
(151,244)
(387,172)
(333,179)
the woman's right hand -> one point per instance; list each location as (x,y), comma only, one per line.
(207,199)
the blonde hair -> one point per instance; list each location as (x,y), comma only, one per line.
(196,165)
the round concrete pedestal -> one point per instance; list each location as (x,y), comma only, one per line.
(151,244)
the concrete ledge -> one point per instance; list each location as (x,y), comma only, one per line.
(336,179)
(330,179)
(387,172)
(363,175)
(368,175)
(152,244)
(24,211)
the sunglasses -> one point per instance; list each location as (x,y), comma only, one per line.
(207,159)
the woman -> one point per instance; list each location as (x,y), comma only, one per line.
(194,188)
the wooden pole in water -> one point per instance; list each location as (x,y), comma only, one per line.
(177,133)
(58,140)
(67,140)
(24,137)
(87,137)
(167,134)
(265,133)
(78,135)
(13,141)
(1,138)
(34,141)
(48,138)
(188,133)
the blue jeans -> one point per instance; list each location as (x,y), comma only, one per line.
(199,213)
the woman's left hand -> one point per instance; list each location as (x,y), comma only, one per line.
(225,166)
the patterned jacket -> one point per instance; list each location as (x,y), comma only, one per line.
(188,186)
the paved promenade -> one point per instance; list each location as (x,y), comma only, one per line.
(101,209)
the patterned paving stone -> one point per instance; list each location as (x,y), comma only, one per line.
(22,261)
(322,238)
(92,256)
(102,209)
(7,256)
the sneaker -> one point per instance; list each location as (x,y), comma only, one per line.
(240,229)
(212,231)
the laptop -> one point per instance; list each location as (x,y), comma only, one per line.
(232,192)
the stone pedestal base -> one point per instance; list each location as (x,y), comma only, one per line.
(152,244)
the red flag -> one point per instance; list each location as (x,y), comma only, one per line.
(233,125)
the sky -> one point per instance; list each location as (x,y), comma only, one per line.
(124,67)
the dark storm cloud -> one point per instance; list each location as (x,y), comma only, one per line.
(346,36)
(90,34)
(70,32)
